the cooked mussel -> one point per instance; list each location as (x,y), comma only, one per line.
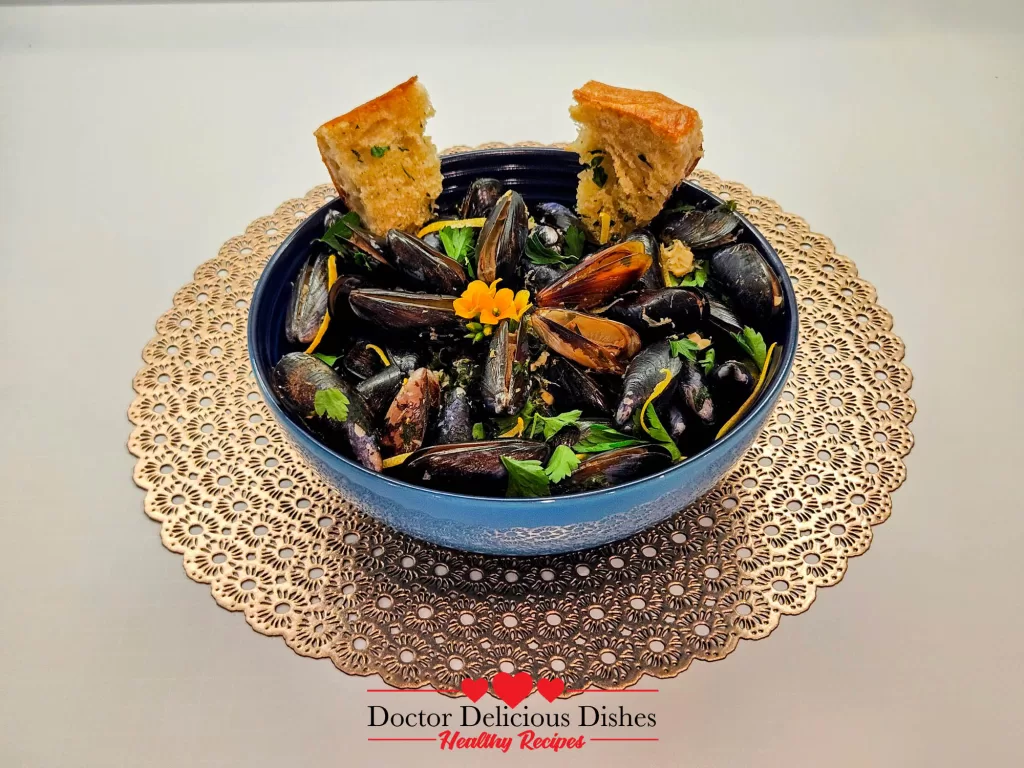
(731,383)
(298,377)
(603,470)
(473,468)
(645,372)
(400,311)
(701,229)
(408,418)
(454,420)
(366,246)
(309,300)
(422,267)
(502,240)
(693,390)
(593,342)
(361,361)
(506,379)
(481,197)
(573,387)
(380,389)
(650,279)
(540,276)
(658,313)
(743,275)
(557,216)
(597,277)
(338,297)
(547,236)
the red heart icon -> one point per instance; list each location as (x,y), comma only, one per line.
(550,689)
(474,689)
(512,690)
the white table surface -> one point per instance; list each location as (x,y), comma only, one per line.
(135,140)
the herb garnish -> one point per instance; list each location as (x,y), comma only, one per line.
(562,463)
(329,359)
(695,279)
(709,361)
(753,343)
(526,479)
(655,429)
(378,151)
(684,348)
(574,242)
(478,431)
(599,438)
(600,176)
(538,253)
(551,425)
(458,244)
(331,403)
(340,231)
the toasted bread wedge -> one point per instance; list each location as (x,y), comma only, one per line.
(383,166)
(638,146)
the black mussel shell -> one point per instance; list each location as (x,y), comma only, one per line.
(455,419)
(422,267)
(506,378)
(474,468)
(481,197)
(403,357)
(309,300)
(297,378)
(557,216)
(433,240)
(731,383)
(721,316)
(409,416)
(662,312)
(651,279)
(540,276)
(644,373)
(361,361)
(695,395)
(700,229)
(574,388)
(567,436)
(380,389)
(502,241)
(370,248)
(603,470)
(743,275)
(400,311)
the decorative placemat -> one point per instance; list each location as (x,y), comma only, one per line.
(276,543)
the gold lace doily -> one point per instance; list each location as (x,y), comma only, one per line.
(276,543)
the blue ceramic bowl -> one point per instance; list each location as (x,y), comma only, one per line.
(497,525)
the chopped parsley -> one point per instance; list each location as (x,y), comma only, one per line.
(563,462)
(574,242)
(655,429)
(340,231)
(753,344)
(538,253)
(378,151)
(684,348)
(526,479)
(478,431)
(600,176)
(331,403)
(329,359)
(599,438)
(550,426)
(695,279)
(709,361)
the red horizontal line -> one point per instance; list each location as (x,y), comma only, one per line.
(623,739)
(411,690)
(601,690)
(401,739)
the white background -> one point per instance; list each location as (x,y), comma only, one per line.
(135,140)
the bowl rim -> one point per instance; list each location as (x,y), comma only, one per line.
(765,401)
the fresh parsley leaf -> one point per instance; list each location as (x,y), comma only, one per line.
(340,231)
(659,433)
(753,343)
(378,151)
(478,431)
(563,462)
(539,253)
(551,425)
(329,359)
(458,244)
(600,176)
(574,242)
(709,361)
(331,403)
(526,479)
(684,348)
(600,437)
(695,279)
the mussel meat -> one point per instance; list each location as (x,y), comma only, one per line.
(454,421)
(474,468)
(661,312)
(743,275)
(298,377)
(502,240)
(645,372)
(422,267)
(731,383)
(400,311)
(407,420)
(603,470)
(700,229)
(593,342)
(506,379)
(481,197)
(573,387)
(597,277)
(309,301)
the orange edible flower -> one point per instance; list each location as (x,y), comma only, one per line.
(491,305)
(477,297)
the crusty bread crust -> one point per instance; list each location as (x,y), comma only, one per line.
(669,118)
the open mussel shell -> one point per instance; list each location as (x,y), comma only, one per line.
(645,372)
(455,419)
(361,361)
(297,378)
(700,229)
(474,468)
(506,378)
(594,342)
(338,297)
(401,311)
(481,197)
(574,388)
(309,300)
(597,277)
(604,470)
(408,417)
(557,216)
(369,246)
(662,312)
(731,383)
(743,275)
(380,389)
(422,267)
(502,240)
(651,279)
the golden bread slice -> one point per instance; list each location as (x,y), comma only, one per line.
(381,163)
(637,146)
